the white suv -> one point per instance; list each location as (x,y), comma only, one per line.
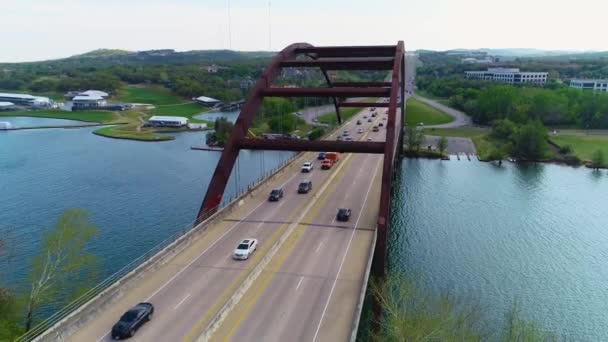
(307,167)
(245,248)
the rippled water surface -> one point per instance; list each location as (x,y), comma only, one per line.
(535,234)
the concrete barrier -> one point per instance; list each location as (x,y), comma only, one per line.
(67,325)
(80,316)
(357,318)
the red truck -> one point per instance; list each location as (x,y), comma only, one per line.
(330,159)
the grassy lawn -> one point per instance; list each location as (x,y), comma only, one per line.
(126,132)
(416,112)
(155,95)
(187,110)
(430,96)
(86,116)
(583,146)
(332,120)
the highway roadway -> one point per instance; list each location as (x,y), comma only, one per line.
(190,289)
(312,290)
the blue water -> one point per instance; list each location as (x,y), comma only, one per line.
(137,193)
(24,122)
(212,116)
(532,234)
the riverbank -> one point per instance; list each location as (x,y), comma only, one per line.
(581,146)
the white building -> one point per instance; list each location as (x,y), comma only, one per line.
(6,105)
(26,100)
(601,85)
(207,101)
(167,121)
(82,102)
(95,93)
(508,75)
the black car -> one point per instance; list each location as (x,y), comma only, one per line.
(343,214)
(358,122)
(305,187)
(132,320)
(275,195)
(380,124)
(321,156)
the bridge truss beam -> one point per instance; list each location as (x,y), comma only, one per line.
(388,57)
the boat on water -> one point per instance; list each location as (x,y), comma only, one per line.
(5,125)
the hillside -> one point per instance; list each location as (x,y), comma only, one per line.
(106,57)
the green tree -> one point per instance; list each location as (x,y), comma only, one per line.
(64,268)
(9,328)
(414,138)
(530,142)
(597,159)
(442,144)
(316,134)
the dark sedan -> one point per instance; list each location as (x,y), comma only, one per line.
(343,214)
(132,320)
(275,195)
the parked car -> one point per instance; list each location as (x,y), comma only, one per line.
(132,320)
(343,214)
(275,195)
(307,167)
(245,248)
(305,186)
(321,156)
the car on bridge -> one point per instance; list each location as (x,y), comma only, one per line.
(307,167)
(343,214)
(360,130)
(275,195)
(245,248)
(369,120)
(358,122)
(305,186)
(375,129)
(321,156)
(380,124)
(132,320)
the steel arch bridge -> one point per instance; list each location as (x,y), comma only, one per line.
(390,58)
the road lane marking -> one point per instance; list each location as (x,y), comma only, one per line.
(181,302)
(259,285)
(318,247)
(313,204)
(201,254)
(333,286)
(299,283)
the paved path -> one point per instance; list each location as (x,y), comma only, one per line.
(460,118)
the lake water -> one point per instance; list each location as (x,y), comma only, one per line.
(24,122)
(137,193)
(535,234)
(212,116)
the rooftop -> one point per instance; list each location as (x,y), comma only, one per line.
(179,119)
(87,98)
(98,93)
(6,104)
(206,99)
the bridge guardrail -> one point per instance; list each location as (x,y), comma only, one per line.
(105,284)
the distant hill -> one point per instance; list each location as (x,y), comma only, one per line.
(105,57)
(522,52)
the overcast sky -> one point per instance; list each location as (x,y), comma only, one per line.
(46,29)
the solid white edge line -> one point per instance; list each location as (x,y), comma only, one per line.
(202,253)
(352,235)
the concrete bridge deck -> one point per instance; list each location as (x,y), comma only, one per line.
(309,290)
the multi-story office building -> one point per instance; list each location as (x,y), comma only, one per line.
(601,85)
(508,75)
